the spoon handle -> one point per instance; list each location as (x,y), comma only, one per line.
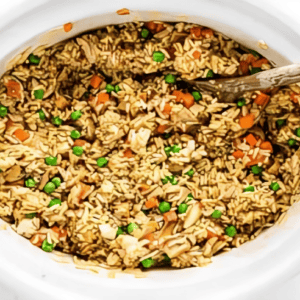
(263,80)
(259,81)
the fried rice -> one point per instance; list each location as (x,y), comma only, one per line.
(107,155)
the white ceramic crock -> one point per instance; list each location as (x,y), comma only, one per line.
(241,274)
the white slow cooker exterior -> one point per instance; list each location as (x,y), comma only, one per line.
(241,274)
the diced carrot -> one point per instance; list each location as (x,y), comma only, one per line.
(95,81)
(61,232)
(161,128)
(13,89)
(254,161)
(167,109)
(170,216)
(250,59)
(247,121)
(128,153)
(262,99)
(244,67)
(295,97)
(259,63)
(84,188)
(211,234)
(160,27)
(196,54)
(144,187)
(123,11)
(266,146)
(251,140)
(21,135)
(9,124)
(151,26)
(61,102)
(188,100)
(207,33)
(102,98)
(195,31)
(79,143)
(143,96)
(68,27)
(149,236)
(238,154)
(38,239)
(151,203)
(178,95)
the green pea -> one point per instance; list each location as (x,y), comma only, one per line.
(42,115)
(197,96)
(30,216)
(131,227)
(168,151)
(57,121)
(117,89)
(256,170)
(292,142)
(166,259)
(148,263)
(51,161)
(49,187)
(158,56)
(75,115)
(280,123)
(170,78)
(30,182)
(102,162)
(172,180)
(54,202)
(56,181)
(47,247)
(230,231)
(109,88)
(274,186)
(182,208)
(241,102)
(249,188)
(164,180)
(216,214)
(190,197)
(34,59)
(210,74)
(75,134)
(120,231)
(297,132)
(190,173)
(3,111)
(175,148)
(144,33)
(38,94)
(255,70)
(164,207)
(78,151)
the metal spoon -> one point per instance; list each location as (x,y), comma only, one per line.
(229,89)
